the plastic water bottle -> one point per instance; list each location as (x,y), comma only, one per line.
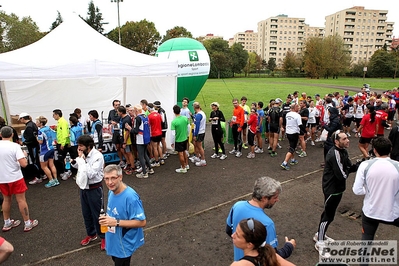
(103,228)
(68,161)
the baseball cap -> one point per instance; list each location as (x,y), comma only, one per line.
(157,103)
(278,100)
(22,115)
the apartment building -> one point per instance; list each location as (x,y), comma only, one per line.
(248,39)
(364,30)
(278,35)
(209,36)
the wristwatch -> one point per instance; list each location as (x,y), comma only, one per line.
(117,222)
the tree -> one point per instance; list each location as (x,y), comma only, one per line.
(337,58)
(95,18)
(239,57)
(382,64)
(290,63)
(140,36)
(15,33)
(271,64)
(57,21)
(220,57)
(176,32)
(313,58)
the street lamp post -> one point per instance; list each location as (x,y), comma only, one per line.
(119,21)
(365,63)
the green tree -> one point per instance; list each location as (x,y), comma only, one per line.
(382,64)
(57,21)
(290,63)
(140,36)
(313,58)
(271,64)
(15,33)
(336,56)
(94,18)
(176,32)
(239,57)
(220,57)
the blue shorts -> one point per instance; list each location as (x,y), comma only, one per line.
(47,156)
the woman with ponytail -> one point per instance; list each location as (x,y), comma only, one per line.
(250,236)
(368,130)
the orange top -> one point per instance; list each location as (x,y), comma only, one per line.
(238,116)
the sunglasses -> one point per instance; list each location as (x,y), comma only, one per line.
(251,225)
(337,133)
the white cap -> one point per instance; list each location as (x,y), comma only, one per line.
(278,100)
(21,115)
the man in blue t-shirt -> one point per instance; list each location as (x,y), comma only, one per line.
(265,194)
(124,217)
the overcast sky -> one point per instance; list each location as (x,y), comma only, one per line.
(222,18)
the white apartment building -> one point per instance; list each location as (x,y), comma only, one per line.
(248,39)
(278,35)
(364,30)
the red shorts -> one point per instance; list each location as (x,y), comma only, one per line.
(16,187)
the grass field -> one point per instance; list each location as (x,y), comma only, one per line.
(264,89)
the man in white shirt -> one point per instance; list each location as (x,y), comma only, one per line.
(378,180)
(292,130)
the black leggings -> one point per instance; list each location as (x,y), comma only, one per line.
(236,137)
(121,261)
(370,225)
(217,136)
(331,203)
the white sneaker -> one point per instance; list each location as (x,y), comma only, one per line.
(320,246)
(223,156)
(354,130)
(326,238)
(312,143)
(66,175)
(279,146)
(214,156)
(317,140)
(259,151)
(194,159)
(238,154)
(251,155)
(181,170)
(233,151)
(201,163)
(155,164)
(35,181)
(187,167)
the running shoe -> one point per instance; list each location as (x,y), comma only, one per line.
(233,151)
(181,170)
(50,184)
(87,240)
(122,164)
(251,155)
(348,134)
(32,224)
(279,146)
(201,163)
(285,166)
(326,238)
(303,154)
(214,156)
(150,171)
(66,175)
(141,175)
(187,167)
(155,164)
(294,162)
(312,143)
(244,146)
(320,247)
(11,225)
(238,154)
(223,156)
(35,181)
(273,154)
(162,162)
(259,150)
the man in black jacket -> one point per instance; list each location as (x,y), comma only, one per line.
(336,171)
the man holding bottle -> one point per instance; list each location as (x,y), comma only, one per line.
(124,217)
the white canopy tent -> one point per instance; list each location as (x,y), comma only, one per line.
(74,66)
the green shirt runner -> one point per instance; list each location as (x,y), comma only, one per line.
(179,125)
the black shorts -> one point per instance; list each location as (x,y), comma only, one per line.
(117,138)
(391,115)
(156,139)
(244,126)
(357,121)
(200,137)
(317,120)
(312,125)
(181,146)
(347,121)
(274,128)
(363,140)
(251,138)
(163,134)
(302,130)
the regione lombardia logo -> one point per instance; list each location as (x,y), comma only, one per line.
(193,55)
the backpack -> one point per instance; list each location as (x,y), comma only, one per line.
(164,123)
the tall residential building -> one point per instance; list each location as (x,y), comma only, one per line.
(364,30)
(278,35)
(248,40)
